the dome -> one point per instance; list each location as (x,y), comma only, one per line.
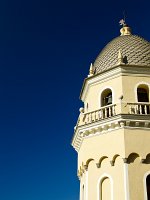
(134,49)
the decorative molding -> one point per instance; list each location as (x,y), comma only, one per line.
(125,160)
(84,167)
(98,165)
(108,125)
(112,162)
(142,160)
(94,80)
(146,124)
(118,70)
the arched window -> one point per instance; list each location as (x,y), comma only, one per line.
(143,96)
(106,97)
(106,100)
(148,187)
(105,188)
(143,93)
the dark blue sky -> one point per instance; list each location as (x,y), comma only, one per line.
(46,48)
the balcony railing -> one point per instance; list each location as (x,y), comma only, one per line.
(112,110)
(102,113)
(139,108)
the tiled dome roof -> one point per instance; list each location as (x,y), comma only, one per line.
(134,49)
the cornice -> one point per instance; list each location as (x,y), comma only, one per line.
(108,125)
(118,70)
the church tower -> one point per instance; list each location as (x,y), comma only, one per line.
(112,134)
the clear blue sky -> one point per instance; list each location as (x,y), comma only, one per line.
(46,48)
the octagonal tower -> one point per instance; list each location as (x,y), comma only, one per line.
(112,134)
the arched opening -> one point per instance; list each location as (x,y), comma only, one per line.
(106,100)
(148,186)
(143,96)
(143,93)
(105,188)
(106,97)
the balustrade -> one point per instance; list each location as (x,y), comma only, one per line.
(139,108)
(102,113)
(112,110)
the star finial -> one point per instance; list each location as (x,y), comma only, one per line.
(125,30)
(122,22)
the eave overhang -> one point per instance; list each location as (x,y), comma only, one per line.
(107,125)
(111,73)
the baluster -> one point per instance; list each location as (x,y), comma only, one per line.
(94,116)
(98,114)
(113,110)
(87,118)
(110,111)
(101,114)
(84,118)
(90,117)
(105,112)
(135,109)
(140,109)
(145,109)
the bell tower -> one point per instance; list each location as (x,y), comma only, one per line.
(112,134)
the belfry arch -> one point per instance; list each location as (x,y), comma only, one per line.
(143,93)
(106,97)
(143,99)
